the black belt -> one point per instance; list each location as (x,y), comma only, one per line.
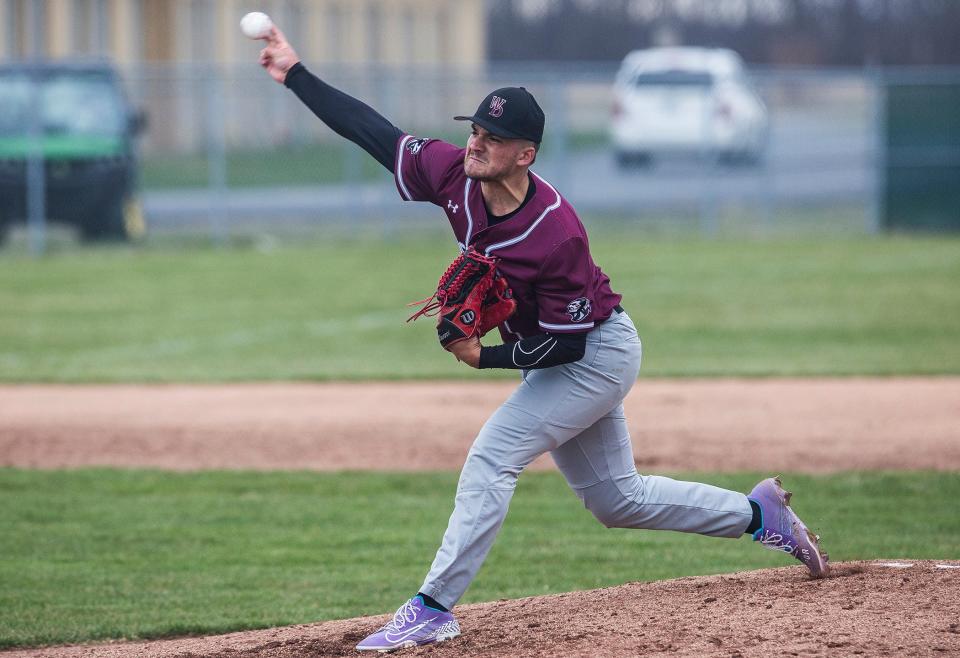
(616,310)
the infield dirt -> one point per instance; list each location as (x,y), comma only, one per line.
(880,608)
(798,425)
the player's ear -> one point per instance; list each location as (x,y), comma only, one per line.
(527,154)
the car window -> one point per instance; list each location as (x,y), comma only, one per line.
(86,104)
(14,104)
(672,79)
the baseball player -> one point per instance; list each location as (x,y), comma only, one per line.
(576,348)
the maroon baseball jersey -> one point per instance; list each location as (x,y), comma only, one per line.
(543,249)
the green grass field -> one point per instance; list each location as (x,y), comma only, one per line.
(336,309)
(306,164)
(290,166)
(94,554)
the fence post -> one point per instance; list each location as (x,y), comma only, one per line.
(561,140)
(36,177)
(708,161)
(878,125)
(216,156)
(766,178)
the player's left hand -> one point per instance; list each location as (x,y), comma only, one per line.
(466,350)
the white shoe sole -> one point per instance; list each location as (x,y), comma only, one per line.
(409,644)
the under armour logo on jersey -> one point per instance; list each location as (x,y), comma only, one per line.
(496,106)
(453,207)
(578,309)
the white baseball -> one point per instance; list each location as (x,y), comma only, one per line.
(256,25)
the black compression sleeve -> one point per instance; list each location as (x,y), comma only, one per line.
(347,116)
(535,352)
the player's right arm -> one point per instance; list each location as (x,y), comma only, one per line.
(347,116)
(420,166)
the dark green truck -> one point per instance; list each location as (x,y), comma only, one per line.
(87,140)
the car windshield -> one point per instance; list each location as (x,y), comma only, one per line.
(672,79)
(71,104)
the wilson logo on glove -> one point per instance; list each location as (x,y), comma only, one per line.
(471,288)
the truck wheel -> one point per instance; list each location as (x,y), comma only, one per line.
(120,222)
(105,226)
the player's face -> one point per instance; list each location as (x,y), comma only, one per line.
(490,157)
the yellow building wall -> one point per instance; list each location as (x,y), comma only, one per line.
(124,41)
(356,32)
(58,41)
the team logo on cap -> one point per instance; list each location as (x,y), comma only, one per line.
(496,106)
(578,309)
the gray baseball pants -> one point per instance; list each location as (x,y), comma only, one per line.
(574,411)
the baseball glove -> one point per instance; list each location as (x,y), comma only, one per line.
(471,299)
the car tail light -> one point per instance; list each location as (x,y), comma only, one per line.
(616,110)
(724,111)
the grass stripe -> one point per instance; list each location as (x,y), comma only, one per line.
(100,553)
(336,309)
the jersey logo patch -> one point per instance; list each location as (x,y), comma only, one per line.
(578,309)
(414,145)
(496,106)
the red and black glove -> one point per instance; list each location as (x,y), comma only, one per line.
(497,306)
(471,299)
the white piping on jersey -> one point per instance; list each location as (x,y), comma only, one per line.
(585,325)
(403,186)
(523,236)
(466,206)
(516,346)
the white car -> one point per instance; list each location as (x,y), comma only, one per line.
(694,101)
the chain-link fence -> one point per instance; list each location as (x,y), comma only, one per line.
(228,150)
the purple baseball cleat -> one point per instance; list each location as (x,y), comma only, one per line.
(412,625)
(782,530)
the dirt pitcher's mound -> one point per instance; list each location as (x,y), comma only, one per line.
(893,608)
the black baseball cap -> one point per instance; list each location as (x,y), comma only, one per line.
(510,112)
